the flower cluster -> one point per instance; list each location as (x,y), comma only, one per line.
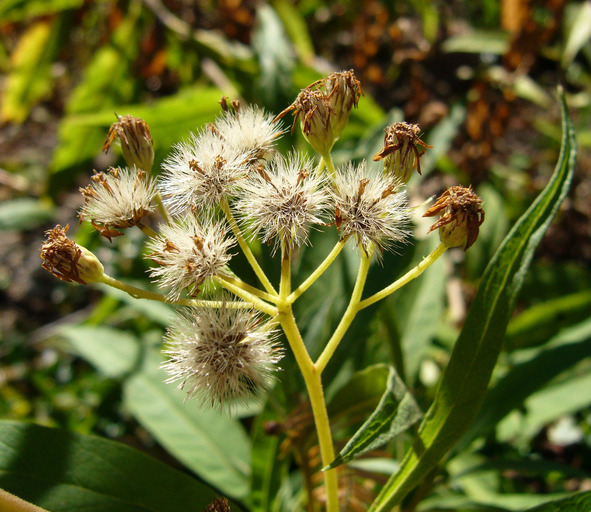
(227,180)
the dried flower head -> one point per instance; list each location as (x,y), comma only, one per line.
(136,141)
(199,173)
(218,505)
(314,108)
(281,201)
(188,253)
(221,354)
(462,215)
(343,91)
(400,153)
(250,130)
(69,261)
(117,199)
(371,207)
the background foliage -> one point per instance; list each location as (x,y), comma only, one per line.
(478,77)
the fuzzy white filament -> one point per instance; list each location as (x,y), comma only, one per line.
(221,354)
(281,201)
(118,198)
(249,130)
(370,207)
(202,171)
(188,253)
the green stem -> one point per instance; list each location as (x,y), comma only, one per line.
(330,166)
(285,283)
(246,249)
(317,273)
(321,166)
(313,381)
(139,293)
(349,314)
(161,208)
(147,230)
(247,296)
(409,276)
(236,281)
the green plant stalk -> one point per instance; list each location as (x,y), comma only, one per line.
(161,208)
(147,230)
(406,278)
(139,293)
(327,159)
(247,296)
(349,314)
(312,378)
(246,249)
(236,281)
(313,277)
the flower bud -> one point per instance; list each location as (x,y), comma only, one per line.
(69,261)
(461,219)
(343,91)
(136,141)
(315,109)
(400,152)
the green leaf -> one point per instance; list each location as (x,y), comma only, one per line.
(478,42)
(17,10)
(463,385)
(579,502)
(170,120)
(530,375)
(541,322)
(112,351)
(25,213)
(578,21)
(361,394)
(396,413)
(213,445)
(29,79)
(67,472)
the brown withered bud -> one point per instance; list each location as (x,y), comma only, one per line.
(343,91)
(461,216)
(136,141)
(315,111)
(402,150)
(218,505)
(69,261)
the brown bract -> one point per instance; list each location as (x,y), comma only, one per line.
(403,137)
(462,215)
(136,141)
(67,261)
(219,505)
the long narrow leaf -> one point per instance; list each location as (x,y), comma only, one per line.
(462,388)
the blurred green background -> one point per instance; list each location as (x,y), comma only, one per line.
(479,77)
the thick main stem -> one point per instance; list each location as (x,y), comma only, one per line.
(313,380)
(246,249)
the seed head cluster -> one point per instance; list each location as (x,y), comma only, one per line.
(117,199)
(188,253)
(370,207)
(281,201)
(221,354)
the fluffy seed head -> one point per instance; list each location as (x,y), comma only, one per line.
(221,354)
(461,216)
(117,199)
(69,261)
(249,129)
(188,253)
(136,141)
(371,207)
(281,202)
(202,171)
(402,150)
